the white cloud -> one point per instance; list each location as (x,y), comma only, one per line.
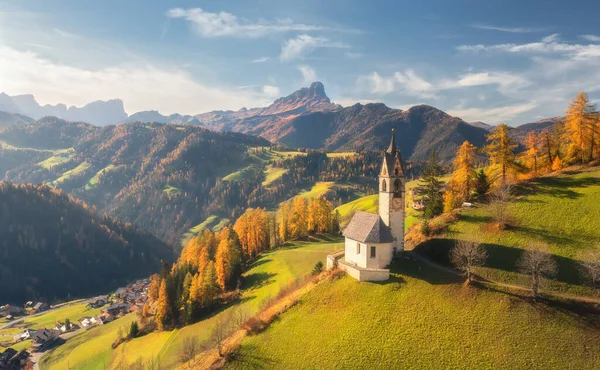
(508,83)
(352,55)
(271,91)
(507,29)
(303,45)
(407,82)
(309,75)
(592,38)
(376,84)
(141,86)
(548,45)
(261,60)
(492,115)
(414,85)
(225,24)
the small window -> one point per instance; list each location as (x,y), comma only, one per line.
(357,248)
(373,252)
(396,172)
(383,186)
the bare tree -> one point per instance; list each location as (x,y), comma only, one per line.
(465,255)
(590,269)
(221,330)
(189,350)
(538,263)
(499,199)
(239,316)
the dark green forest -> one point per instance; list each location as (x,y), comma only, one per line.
(53,246)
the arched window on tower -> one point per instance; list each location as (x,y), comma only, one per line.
(397,188)
(396,172)
(383,186)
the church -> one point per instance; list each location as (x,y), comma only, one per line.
(373,240)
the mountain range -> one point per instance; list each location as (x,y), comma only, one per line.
(304,119)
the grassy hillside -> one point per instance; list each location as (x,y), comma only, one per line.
(421,318)
(268,274)
(560,211)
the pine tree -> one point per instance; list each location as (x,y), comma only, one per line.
(187,283)
(429,190)
(163,309)
(482,185)
(501,150)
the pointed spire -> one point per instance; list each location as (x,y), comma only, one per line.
(392,149)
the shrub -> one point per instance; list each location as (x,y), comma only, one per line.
(318,268)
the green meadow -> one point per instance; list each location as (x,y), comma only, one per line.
(267,275)
(421,318)
(560,211)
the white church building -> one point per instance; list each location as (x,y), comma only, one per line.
(373,240)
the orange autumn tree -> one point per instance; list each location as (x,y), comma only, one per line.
(581,129)
(531,155)
(228,259)
(463,178)
(163,309)
(501,150)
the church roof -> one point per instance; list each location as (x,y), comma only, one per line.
(368,228)
(390,155)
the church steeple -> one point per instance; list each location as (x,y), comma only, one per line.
(392,149)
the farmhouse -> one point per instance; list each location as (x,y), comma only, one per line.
(373,240)
(24,335)
(43,338)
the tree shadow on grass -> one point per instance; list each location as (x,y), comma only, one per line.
(260,261)
(560,187)
(419,270)
(248,358)
(500,257)
(586,314)
(258,280)
(479,219)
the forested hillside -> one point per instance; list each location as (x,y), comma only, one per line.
(53,246)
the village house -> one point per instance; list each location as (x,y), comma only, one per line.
(42,338)
(116,310)
(65,327)
(14,360)
(24,335)
(40,306)
(10,310)
(98,302)
(89,322)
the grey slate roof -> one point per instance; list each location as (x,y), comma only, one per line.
(368,228)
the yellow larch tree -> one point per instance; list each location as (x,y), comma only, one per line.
(501,150)
(462,182)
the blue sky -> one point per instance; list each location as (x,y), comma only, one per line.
(494,61)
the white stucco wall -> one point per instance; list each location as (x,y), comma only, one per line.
(383,256)
(351,256)
(384,207)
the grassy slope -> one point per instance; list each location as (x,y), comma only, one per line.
(73,172)
(269,273)
(421,318)
(209,222)
(560,211)
(272,174)
(94,180)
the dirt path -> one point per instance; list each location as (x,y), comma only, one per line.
(573,297)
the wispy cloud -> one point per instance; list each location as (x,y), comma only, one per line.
(592,38)
(303,45)
(506,29)
(548,45)
(260,60)
(224,24)
(492,115)
(309,75)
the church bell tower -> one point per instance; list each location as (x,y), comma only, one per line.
(391,194)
